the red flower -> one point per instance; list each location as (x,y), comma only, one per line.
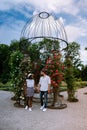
(56,71)
(62,67)
(55,68)
(51,71)
(58,81)
(55,85)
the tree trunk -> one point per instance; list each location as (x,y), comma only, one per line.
(56,98)
(71,96)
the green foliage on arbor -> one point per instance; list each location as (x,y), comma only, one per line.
(22,56)
(73,63)
(34,52)
(55,69)
(20,67)
(74,53)
(16,74)
(69,78)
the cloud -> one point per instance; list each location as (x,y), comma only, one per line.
(73,32)
(56,6)
(83,56)
(82,4)
(77,30)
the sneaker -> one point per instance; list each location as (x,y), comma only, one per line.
(26,107)
(44,109)
(30,109)
(41,108)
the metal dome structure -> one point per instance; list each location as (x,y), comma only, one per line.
(45,25)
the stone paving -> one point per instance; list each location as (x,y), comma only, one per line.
(74,117)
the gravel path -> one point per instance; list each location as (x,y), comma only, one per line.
(74,117)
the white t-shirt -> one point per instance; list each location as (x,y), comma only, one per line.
(30,83)
(44,82)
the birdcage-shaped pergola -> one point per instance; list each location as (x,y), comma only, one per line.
(45,25)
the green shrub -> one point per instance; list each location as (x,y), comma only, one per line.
(63,86)
(6,87)
(82,84)
(78,84)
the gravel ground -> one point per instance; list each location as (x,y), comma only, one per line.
(74,117)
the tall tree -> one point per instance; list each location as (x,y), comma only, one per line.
(85,48)
(4,59)
(74,53)
(84,73)
(47,46)
(14,46)
(23,45)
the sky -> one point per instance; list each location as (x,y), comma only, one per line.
(15,13)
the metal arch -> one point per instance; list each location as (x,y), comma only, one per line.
(33,38)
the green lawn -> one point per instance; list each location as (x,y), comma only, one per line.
(6,87)
(79,84)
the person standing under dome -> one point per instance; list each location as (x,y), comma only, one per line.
(30,84)
(44,88)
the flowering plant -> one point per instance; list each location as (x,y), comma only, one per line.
(55,69)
